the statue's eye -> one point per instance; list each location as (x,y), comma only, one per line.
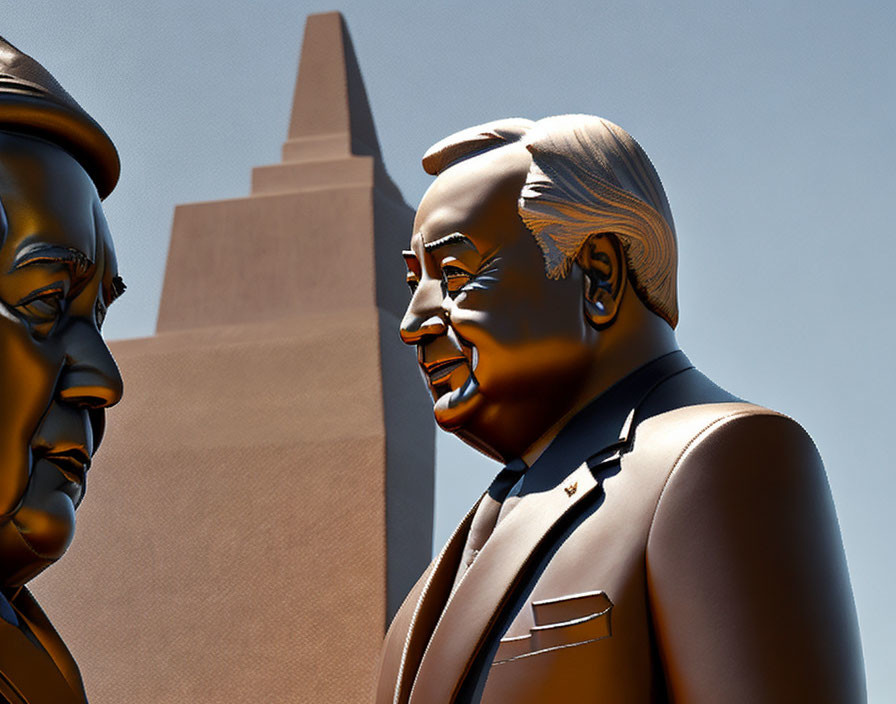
(412,281)
(454,278)
(43,309)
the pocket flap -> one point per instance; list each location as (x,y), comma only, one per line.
(578,631)
(569,608)
(510,648)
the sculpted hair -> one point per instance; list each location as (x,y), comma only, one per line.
(588,176)
(473,141)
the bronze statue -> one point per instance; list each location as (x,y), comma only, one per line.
(58,275)
(652,538)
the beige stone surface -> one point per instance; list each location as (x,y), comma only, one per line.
(330,98)
(234,531)
(262,500)
(266,257)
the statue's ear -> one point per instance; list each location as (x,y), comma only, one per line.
(603,263)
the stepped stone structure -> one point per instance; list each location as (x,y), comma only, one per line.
(255,514)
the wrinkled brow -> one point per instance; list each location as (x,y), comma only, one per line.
(52,254)
(453,238)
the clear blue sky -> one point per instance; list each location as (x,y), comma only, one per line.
(771,125)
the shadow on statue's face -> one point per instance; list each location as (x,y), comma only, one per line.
(58,274)
(502,347)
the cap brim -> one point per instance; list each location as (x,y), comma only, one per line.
(76,132)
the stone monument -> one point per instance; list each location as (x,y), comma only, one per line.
(268,498)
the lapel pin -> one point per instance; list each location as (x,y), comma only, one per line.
(571,489)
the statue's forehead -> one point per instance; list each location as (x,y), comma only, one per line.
(47,196)
(466,193)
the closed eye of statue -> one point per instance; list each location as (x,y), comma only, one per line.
(42,308)
(454,278)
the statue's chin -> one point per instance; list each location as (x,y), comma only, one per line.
(453,409)
(37,534)
(48,528)
(19,563)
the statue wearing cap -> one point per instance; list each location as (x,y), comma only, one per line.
(58,276)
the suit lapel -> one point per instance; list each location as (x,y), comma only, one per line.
(441,643)
(28,673)
(413,625)
(471,611)
(42,628)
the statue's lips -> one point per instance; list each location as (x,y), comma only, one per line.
(440,369)
(73,465)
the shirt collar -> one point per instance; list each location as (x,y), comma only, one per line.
(606,421)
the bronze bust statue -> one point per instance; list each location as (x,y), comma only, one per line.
(58,275)
(652,538)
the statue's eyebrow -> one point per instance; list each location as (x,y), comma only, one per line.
(51,254)
(453,238)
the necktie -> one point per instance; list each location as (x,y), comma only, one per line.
(7,613)
(493,507)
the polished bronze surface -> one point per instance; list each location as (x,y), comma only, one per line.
(33,102)
(667,542)
(58,276)
(506,349)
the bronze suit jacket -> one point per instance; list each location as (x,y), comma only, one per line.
(38,669)
(672,544)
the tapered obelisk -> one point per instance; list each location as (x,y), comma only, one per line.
(263,499)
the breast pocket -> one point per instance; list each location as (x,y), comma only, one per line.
(557,660)
(562,622)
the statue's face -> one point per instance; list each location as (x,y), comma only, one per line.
(502,347)
(58,274)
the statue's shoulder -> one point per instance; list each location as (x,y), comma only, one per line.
(717,439)
(687,424)
(688,415)
(743,531)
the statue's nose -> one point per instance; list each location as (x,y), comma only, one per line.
(90,378)
(424,316)
(414,329)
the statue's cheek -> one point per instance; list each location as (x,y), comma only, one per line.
(28,376)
